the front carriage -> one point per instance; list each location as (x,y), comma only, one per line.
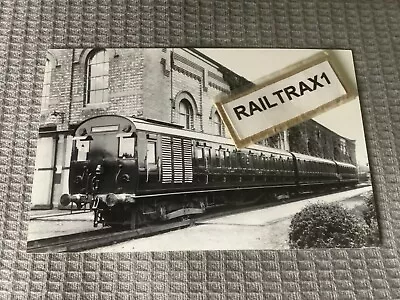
(125,167)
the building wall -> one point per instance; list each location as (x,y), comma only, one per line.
(314,139)
(156,85)
(174,74)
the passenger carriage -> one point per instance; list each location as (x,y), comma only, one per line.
(131,170)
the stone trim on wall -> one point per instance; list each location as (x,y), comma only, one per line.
(186,95)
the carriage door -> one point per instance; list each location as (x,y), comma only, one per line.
(152,159)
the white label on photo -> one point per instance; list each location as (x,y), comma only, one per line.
(284,100)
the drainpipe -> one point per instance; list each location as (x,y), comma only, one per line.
(171,90)
(71,88)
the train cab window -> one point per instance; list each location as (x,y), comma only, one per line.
(126,147)
(151,152)
(83,148)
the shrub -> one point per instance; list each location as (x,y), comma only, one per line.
(370,217)
(369,212)
(327,226)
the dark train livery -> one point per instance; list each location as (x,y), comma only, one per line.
(131,171)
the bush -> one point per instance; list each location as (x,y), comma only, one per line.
(369,212)
(371,219)
(327,226)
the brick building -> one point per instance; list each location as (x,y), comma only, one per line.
(169,85)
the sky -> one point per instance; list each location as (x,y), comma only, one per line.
(346,120)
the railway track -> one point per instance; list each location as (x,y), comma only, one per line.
(108,236)
(69,213)
(98,238)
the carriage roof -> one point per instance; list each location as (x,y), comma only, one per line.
(312,158)
(343,164)
(177,130)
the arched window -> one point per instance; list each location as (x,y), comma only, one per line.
(185,114)
(97,77)
(46,84)
(217,124)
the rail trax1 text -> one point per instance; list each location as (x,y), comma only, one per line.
(286,98)
(281,96)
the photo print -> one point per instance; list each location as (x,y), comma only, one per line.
(132,155)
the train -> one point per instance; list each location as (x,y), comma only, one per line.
(133,171)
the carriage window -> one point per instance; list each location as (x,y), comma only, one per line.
(207,154)
(83,149)
(233,159)
(283,163)
(241,159)
(268,163)
(254,161)
(278,164)
(151,152)
(246,159)
(227,159)
(126,147)
(217,158)
(200,156)
(260,161)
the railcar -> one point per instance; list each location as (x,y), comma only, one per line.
(314,170)
(131,171)
(347,174)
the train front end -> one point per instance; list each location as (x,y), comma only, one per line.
(103,171)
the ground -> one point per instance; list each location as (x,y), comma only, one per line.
(262,229)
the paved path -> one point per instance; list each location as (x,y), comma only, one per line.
(52,223)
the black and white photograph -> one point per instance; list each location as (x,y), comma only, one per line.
(132,155)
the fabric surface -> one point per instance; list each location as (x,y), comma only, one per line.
(27,28)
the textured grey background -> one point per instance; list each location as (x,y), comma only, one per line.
(27,28)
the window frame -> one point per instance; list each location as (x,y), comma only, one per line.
(105,88)
(154,143)
(124,138)
(188,115)
(218,125)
